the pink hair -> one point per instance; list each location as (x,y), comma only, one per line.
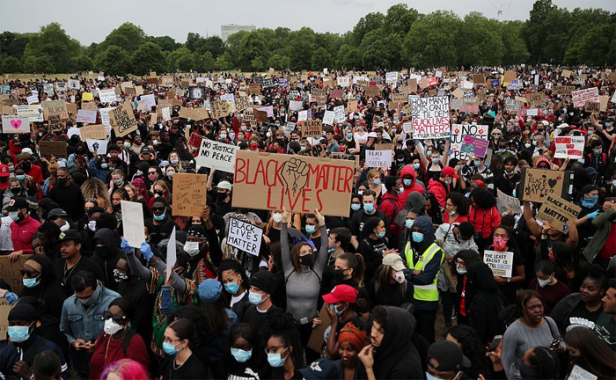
(140,185)
(126,369)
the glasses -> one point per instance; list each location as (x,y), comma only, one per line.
(116,318)
(29,274)
(150,173)
(158,209)
(167,340)
(93,200)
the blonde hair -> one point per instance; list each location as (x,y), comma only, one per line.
(374,172)
(95,188)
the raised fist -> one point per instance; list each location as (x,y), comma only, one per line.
(295,174)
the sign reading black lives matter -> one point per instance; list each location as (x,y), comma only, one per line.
(214,154)
(244,236)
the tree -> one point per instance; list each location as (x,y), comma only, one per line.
(370,22)
(399,19)
(39,64)
(54,43)
(252,47)
(214,45)
(348,57)
(128,36)
(148,57)
(205,62)
(113,61)
(13,44)
(10,65)
(321,58)
(279,61)
(181,59)
(83,63)
(224,61)
(480,42)
(166,43)
(432,40)
(515,47)
(537,29)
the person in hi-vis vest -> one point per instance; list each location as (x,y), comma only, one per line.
(424,258)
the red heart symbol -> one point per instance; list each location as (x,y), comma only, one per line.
(481,131)
(16,123)
(457,131)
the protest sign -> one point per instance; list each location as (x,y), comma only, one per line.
(578,373)
(166,114)
(512,105)
(501,263)
(581,96)
(194,113)
(122,119)
(149,101)
(312,128)
(391,77)
(351,106)
(534,99)
(289,128)
(242,103)
(254,88)
(195,141)
(344,81)
(592,107)
(171,254)
(86,116)
(99,146)
(87,97)
(506,202)
(189,194)
(339,114)
(378,158)
(266,181)
(5,309)
(55,148)
(94,132)
(74,84)
(475,145)
(220,109)
(295,105)
(15,124)
(214,154)
(262,115)
(33,99)
(430,118)
(302,115)
(248,116)
(459,149)
(558,212)
(10,272)
(314,151)
(329,117)
(132,223)
(107,96)
(563,90)
(91,106)
(55,107)
(245,236)
(317,334)
(407,127)
(569,147)
(372,91)
(537,184)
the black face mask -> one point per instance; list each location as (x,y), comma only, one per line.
(101,251)
(16,191)
(26,167)
(62,181)
(306,259)
(338,273)
(221,196)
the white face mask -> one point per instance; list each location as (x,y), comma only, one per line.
(65,227)
(544,283)
(277,217)
(192,248)
(112,327)
(92,225)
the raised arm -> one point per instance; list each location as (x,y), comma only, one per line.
(445,158)
(532,224)
(322,259)
(422,155)
(285,253)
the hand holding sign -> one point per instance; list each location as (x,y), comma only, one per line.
(294,174)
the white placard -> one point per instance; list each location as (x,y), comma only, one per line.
(98,146)
(458,131)
(105,118)
(501,263)
(73,84)
(579,373)
(33,99)
(569,146)
(339,114)
(86,116)
(34,113)
(378,158)
(132,223)
(171,254)
(344,81)
(328,117)
(218,155)
(244,236)
(430,118)
(107,96)
(15,124)
(295,105)
(391,77)
(580,97)
(302,115)
(166,114)
(408,127)
(149,101)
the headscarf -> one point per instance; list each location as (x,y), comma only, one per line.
(353,335)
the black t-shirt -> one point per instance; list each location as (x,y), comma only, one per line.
(193,368)
(64,276)
(372,252)
(581,316)
(506,184)
(359,219)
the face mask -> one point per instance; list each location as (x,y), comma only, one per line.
(16,190)
(14,215)
(104,165)
(62,181)
(598,151)
(255,298)
(277,217)
(399,277)
(429,376)
(500,242)
(19,334)
(477,163)
(169,349)
(589,202)
(275,360)
(400,190)
(334,308)
(21,177)
(310,229)
(435,160)
(349,135)
(535,142)
(590,133)
(65,227)
(160,217)
(544,283)
(244,128)
(232,288)
(93,298)
(614,182)
(241,356)
(119,277)
(429,153)
(170,174)
(461,271)
(31,282)
(232,136)
(268,134)
(377,181)
(92,225)
(127,145)
(368,207)
(502,150)
(118,182)
(302,148)
(192,248)
(508,172)
(415,166)
(381,234)
(306,260)
(447,183)
(527,145)
(174,162)
(509,127)
(496,137)
(409,223)
(223,135)
(155,142)
(112,327)
(452,213)
(418,237)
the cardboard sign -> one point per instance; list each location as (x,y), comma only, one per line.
(189,194)
(510,75)
(372,91)
(86,116)
(569,146)
(194,113)
(254,88)
(99,146)
(214,154)
(91,106)
(9,272)
(242,103)
(475,145)
(512,105)
(53,148)
(312,128)
(563,90)
(459,148)
(559,213)
(15,124)
(430,118)
(132,223)
(534,99)
(298,183)
(339,114)
(537,184)
(220,109)
(316,340)
(592,107)
(5,309)
(314,151)
(378,158)
(122,120)
(582,96)
(93,132)
(55,107)
(107,96)
(501,263)
(506,203)
(245,236)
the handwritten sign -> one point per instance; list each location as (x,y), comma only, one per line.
(5,309)
(15,124)
(94,132)
(579,373)
(242,103)
(329,117)
(9,272)
(312,128)
(107,96)
(189,194)
(563,90)
(53,148)
(592,107)
(501,263)
(245,236)
(430,118)
(534,99)
(339,114)
(512,105)
(34,113)
(298,183)
(194,113)
(220,109)
(505,203)
(132,223)
(580,97)
(537,184)
(459,148)
(476,145)
(55,107)
(559,213)
(216,154)
(86,116)
(122,120)
(378,158)
(569,147)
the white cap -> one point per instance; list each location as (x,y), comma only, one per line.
(225,185)
(372,134)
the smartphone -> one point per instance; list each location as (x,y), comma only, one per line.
(495,342)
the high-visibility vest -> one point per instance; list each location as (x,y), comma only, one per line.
(424,292)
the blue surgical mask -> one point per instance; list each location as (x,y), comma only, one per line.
(331,250)
(589,202)
(335,309)
(275,360)
(240,355)
(377,181)
(447,183)
(452,212)
(418,237)
(614,182)
(381,234)
(461,271)
(368,207)
(508,172)
(255,298)
(502,150)
(302,148)
(169,349)
(127,145)
(349,135)
(408,182)
(477,163)
(173,162)
(19,334)
(232,288)
(357,206)
(104,165)
(435,160)
(31,282)
(400,190)
(415,166)
(310,229)
(409,223)
(160,217)
(20,177)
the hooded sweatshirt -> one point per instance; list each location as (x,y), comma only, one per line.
(108,257)
(413,187)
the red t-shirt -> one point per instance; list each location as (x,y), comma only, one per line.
(36,173)
(459,219)
(609,248)
(105,354)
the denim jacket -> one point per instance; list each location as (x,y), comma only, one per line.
(77,322)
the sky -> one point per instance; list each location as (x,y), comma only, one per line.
(91,20)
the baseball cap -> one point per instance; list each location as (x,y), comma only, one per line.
(4,170)
(373,134)
(210,290)
(448,355)
(341,293)
(56,212)
(145,150)
(448,170)
(69,235)
(16,203)
(395,261)
(224,185)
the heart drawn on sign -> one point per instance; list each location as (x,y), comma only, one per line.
(552,182)
(16,123)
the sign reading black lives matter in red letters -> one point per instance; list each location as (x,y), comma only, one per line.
(430,118)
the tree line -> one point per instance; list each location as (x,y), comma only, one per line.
(401,37)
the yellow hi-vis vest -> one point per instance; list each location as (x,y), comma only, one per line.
(424,292)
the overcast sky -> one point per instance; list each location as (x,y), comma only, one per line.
(91,20)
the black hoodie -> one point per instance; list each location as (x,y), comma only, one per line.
(108,257)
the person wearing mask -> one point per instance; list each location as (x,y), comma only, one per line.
(341,310)
(17,357)
(391,205)
(67,195)
(596,159)
(531,329)
(432,161)
(234,280)
(477,166)
(502,149)
(348,269)
(456,208)
(374,246)
(161,225)
(223,198)
(588,351)
(39,280)
(359,219)
(244,358)
(391,353)
(106,255)
(589,202)
(312,230)
(424,259)
(262,286)
(118,340)
(441,186)
(72,261)
(409,183)
(82,317)
(23,228)
(484,216)
(547,285)
(180,362)
(283,348)
(502,242)
(389,285)
(446,361)
(508,181)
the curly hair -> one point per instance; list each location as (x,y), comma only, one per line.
(94,188)
(282,325)
(483,199)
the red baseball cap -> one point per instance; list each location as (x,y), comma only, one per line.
(341,293)
(448,170)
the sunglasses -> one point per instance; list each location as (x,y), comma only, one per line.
(158,209)
(30,274)
(116,318)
